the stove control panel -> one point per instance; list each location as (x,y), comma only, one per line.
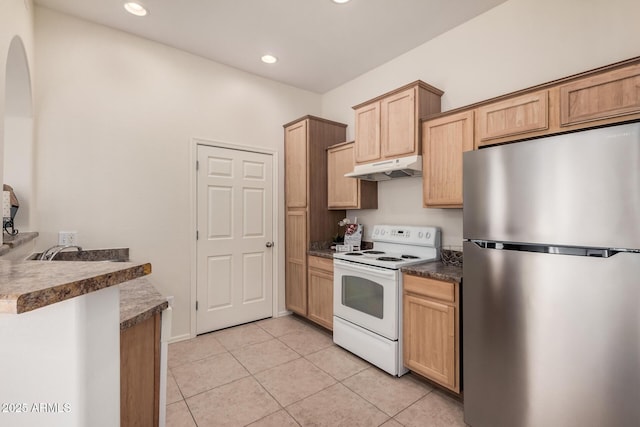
(407,234)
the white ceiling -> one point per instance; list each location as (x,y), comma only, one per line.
(320,45)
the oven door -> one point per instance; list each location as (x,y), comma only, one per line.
(366,296)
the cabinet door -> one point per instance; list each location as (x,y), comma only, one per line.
(140,373)
(368,133)
(429,340)
(611,94)
(444,141)
(513,117)
(398,124)
(295,149)
(343,193)
(296,262)
(320,308)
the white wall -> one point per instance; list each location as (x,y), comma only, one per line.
(19,168)
(116,115)
(517,44)
(16,136)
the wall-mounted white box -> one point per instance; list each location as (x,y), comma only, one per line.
(68,238)
(6,204)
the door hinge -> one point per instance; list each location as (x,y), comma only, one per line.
(197,234)
(197,165)
(196,305)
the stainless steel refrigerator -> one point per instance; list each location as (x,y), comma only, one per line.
(551,292)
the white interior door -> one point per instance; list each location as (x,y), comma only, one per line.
(234,257)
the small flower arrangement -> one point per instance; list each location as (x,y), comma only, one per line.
(350,228)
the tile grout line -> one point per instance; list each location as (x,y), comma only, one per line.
(264,388)
(312,394)
(227,350)
(299,356)
(368,401)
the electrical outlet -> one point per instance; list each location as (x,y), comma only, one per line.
(68,238)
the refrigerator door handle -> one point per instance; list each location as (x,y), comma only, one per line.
(550,249)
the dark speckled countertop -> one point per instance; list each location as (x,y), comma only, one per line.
(323,249)
(139,300)
(435,270)
(28,285)
(322,253)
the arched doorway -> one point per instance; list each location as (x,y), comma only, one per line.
(18,145)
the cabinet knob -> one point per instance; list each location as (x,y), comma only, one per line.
(269,244)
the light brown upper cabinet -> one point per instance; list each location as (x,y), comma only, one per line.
(368,132)
(347,193)
(388,126)
(307,217)
(295,142)
(513,117)
(444,141)
(608,96)
(604,96)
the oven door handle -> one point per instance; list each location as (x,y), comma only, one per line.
(373,270)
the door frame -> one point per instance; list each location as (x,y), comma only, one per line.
(193,220)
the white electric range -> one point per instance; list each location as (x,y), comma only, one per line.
(367,301)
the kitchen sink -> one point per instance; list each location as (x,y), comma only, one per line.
(104,255)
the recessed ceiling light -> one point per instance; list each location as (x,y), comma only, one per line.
(135,9)
(340,1)
(269,59)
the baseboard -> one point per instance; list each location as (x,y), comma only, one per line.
(283,313)
(177,338)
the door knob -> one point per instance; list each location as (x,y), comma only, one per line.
(269,244)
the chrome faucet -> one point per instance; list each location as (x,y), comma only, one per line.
(53,251)
(46,254)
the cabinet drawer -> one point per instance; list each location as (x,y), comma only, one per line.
(321,263)
(612,94)
(444,291)
(515,116)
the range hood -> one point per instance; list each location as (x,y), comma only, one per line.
(388,169)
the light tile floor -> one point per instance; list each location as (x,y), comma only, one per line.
(286,372)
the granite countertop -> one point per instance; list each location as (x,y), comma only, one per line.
(9,242)
(28,285)
(322,253)
(323,249)
(139,300)
(435,270)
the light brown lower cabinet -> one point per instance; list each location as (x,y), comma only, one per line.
(296,258)
(320,291)
(431,330)
(140,373)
